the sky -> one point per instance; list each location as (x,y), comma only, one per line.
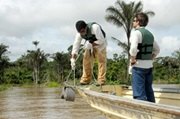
(52,23)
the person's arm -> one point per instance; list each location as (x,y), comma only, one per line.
(156,49)
(76,45)
(134,40)
(96,29)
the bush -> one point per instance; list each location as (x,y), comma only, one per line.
(52,84)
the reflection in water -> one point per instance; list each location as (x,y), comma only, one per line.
(43,103)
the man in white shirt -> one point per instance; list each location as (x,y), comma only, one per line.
(95,47)
(143,50)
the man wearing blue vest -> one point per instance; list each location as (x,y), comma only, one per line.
(143,50)
(95,47)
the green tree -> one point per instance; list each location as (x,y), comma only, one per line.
(3,61)
(166,69)
(116,72)
(176,55)
(62,63)
(122,15)
(35,59)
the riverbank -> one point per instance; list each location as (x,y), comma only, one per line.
(4,86)
(48,85)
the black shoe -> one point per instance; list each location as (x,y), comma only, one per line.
(84,83)
(97,84)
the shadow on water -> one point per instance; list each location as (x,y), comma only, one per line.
(43,103)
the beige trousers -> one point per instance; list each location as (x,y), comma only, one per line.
(88,61)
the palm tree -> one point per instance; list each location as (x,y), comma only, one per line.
(35,60)
(35,43)
(122,15)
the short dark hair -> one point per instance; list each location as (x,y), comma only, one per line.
(80,25)
(142,18)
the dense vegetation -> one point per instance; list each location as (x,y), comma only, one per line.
(24,69)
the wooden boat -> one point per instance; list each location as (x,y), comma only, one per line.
(121,106)
(116,101)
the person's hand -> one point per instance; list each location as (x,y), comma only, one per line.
(74,56)
(132,60)
(89,46)
(73,63)
(95,44)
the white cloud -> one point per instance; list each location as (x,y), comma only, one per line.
(52,23)
(166,12)
(168,45)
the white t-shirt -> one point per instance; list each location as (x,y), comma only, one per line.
(96,30)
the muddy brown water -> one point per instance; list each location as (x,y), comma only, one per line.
(43,103)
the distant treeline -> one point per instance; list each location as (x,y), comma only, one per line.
(34,67)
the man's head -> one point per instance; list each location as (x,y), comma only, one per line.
(140,19)
(81,27)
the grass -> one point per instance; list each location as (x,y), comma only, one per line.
(52,84)
(4,87)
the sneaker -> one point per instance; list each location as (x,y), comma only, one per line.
(83,83)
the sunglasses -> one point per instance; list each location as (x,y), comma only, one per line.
(135,20)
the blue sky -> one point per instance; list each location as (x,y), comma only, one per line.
(51,22)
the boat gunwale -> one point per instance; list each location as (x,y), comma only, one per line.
(135,103)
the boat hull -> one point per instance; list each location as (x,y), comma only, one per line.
(118,107)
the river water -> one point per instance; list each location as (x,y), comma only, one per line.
(43,103)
